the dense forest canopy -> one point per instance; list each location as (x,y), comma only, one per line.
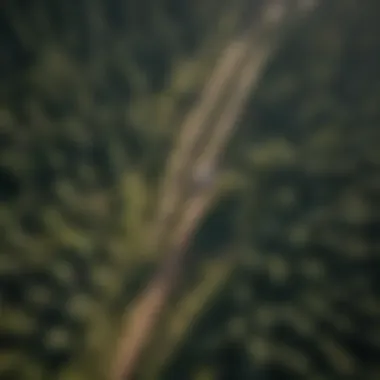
(92,94)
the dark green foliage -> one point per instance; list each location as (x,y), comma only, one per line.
(307,292)
(86,121)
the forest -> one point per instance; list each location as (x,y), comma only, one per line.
(237,239)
